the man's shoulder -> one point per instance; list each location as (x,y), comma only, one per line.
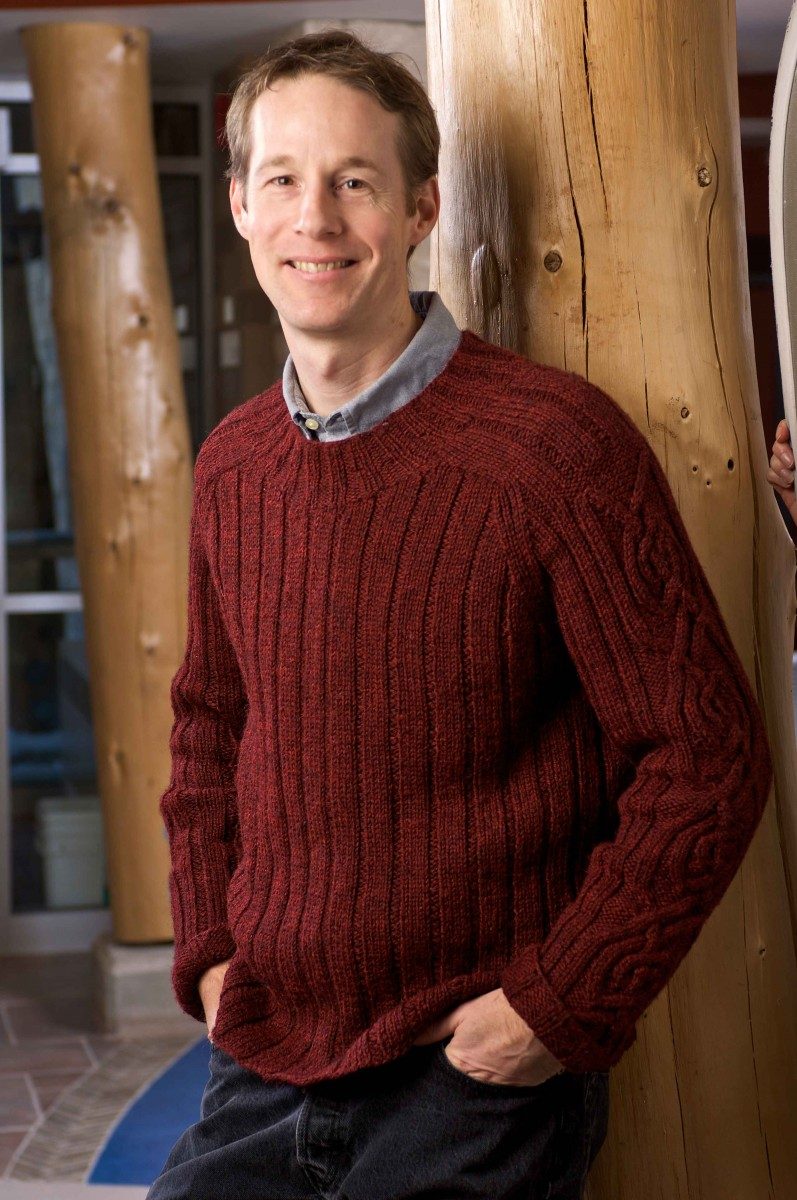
(549,410)
(230,443)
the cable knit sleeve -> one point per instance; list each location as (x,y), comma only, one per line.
(644,631)
(199,805)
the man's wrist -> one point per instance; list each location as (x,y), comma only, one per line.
(213,974)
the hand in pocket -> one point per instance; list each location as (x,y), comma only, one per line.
(210,985)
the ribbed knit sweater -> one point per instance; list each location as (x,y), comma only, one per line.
(458,711)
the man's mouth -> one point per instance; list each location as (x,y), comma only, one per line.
(314,267)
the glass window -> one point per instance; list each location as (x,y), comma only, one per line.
(176,129)
(180,204)
(56,827)
(21,117)
(40,551)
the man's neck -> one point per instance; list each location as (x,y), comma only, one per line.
(332,372)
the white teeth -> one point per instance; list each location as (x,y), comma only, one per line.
(309,266)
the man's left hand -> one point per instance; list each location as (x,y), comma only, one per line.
(492,1042)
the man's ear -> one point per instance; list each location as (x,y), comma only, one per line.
(427,210)
(238,207)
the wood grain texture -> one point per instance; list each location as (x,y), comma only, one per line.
(129,446)
(592,219)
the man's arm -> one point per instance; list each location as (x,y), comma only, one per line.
(199,805)
(656,661)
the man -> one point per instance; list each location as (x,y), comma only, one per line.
(463,756)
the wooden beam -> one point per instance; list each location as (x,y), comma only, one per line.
(130,459)
(592,220)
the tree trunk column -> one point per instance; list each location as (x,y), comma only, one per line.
(129,446)
(592,219)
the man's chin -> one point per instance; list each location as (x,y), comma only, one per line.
(318,323)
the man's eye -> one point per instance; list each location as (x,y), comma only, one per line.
(279,178)
(359,182)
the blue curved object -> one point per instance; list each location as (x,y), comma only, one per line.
(138,1146)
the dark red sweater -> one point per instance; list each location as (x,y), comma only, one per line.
(458,711)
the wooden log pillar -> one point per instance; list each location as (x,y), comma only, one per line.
(592,219)
(129,446)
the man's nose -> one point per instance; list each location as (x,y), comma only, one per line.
(317,214)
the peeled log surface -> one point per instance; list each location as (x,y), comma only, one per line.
(129,445)
(592,219)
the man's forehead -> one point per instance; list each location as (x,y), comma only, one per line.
(343,138)
(342,162)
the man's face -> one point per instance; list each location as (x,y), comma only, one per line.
(325,185)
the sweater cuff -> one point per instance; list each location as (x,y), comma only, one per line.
(192,959)
(532,997)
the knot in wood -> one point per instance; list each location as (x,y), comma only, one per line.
(111,204)
(485,279)
(552,261)
(684,412)
(704,176)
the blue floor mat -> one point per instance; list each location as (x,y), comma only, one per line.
(139,1145)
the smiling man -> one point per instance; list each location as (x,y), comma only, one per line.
(329,224)
(463,756)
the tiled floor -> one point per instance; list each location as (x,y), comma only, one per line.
(63,1084)
(67,1191)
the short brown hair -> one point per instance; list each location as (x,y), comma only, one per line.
(341,55)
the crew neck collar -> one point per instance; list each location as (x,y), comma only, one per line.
(405,442)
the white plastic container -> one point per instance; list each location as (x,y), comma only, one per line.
(69,840)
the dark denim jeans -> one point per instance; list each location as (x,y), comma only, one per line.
(415,1127)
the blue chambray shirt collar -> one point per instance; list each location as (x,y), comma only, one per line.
(418,364)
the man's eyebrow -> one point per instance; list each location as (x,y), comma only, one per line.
(353,160)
